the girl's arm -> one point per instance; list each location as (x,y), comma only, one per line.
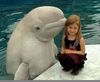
(63,44)
(82,46)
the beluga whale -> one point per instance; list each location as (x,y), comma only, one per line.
(31,49)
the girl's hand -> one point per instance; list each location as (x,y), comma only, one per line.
(67,51)
(63,51)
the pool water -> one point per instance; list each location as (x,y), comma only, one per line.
(12,11)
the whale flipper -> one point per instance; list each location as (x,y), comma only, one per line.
(22,72)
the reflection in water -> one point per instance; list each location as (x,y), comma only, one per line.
(12,11)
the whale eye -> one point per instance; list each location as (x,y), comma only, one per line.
(37,28)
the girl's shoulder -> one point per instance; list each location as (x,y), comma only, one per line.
(64,35)
(82,40)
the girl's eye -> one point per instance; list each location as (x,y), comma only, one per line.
(75,28)
(70,27)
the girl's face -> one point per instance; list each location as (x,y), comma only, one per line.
(72,29)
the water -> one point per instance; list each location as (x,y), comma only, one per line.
(12,11)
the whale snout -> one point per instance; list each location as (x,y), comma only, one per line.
(60,23)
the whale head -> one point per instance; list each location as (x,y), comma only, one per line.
(44,22)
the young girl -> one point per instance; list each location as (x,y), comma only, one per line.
(72,55)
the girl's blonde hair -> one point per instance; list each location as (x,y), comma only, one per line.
(71,20)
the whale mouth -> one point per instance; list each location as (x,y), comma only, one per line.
(44,39)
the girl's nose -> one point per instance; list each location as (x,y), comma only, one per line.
(72,30)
